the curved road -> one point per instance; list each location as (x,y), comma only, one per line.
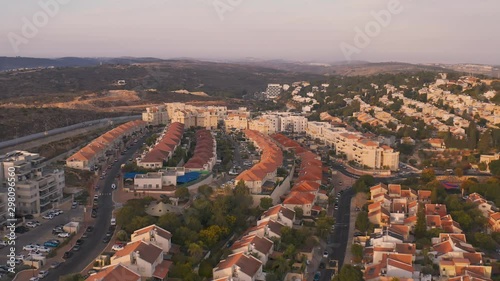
(93,245)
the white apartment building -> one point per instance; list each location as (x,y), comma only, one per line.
(294,123)
(155,115)
(36,190)
(273,91)
(237,119)
(355,147)
(196,116)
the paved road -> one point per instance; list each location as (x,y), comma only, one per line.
(6,145)
(93,245)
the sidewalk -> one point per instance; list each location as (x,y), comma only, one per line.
(352,226)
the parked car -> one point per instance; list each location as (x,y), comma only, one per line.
(79,242)
(21,229)
(325,254)
(43,273)
(113,221)
(76,248)
(30,247)
(67,255)
(117,247)
(63,235)
(55,264)
(44,249)
(29,217)
(31,224)
(34,279)
(106,239)
(317,276)
(48,216)
(52,243)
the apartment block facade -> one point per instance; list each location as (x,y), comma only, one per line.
(37,190)
(156,115)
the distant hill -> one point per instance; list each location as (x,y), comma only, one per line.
(9,63)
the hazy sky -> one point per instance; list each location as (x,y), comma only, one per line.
(447,31)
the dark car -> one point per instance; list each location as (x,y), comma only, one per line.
(94,214)
(109,233)
(29,217)
(67,255)
(106,239)
(79,242)
(322,265)
(317,276)
(21,229)
(76,248)
(90,228)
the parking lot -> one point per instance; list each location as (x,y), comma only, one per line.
(42,233)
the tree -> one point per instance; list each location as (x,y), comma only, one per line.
(420,227)
(182,192)
(205,190)
(428,175)
(206,269)
(495,167)
(349,273)
(266,203)
(169,221)
(299,213)
(357,252)
(485,142)
(241,188)
(195,250)
(362,222)
(472,135)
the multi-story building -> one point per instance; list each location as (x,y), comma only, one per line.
(37,190)
(155,115)
(365,152)
(196,116)
(293,123)
(237,119)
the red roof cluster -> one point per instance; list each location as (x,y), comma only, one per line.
(270,160)
(101,144)
(203,151)
(166,145)
(310,172)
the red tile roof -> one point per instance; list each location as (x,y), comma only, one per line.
(114,273)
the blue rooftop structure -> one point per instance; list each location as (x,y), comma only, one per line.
(188,177)
(130,175)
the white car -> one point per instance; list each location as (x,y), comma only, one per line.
(48,216)
(113,186)
(30,247)
(117,247)
(96,196)
(31,224)
(113,221)
(325,254)
(44,249)
(58,212)
(34,279)
(63,235)
(43,273)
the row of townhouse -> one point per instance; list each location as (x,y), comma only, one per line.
(142,258)
(36,188)
(206,117)
(251,252)
(164,147)
(204,159)
(90,156)
(263,173)
(390,251)
(306,189)
(357,148)
(205,153)
(488,209)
